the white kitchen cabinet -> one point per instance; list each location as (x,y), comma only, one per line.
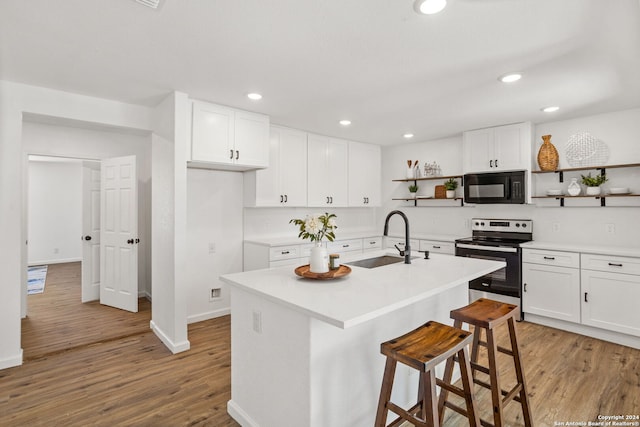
(610,299)
(437,246)
(391,242)
(226,138)
(340,246)
(497,149)
(327,171)
(371,243)
(364,174)
(284,182)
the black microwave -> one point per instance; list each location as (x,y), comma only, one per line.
(495,187)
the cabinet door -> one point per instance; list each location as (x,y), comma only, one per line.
(338,172)
(251,139)
(364,174)
(551,291)
(438,247)
(212,133)
(267,181)
(293,167)
(478,151)
(512,149)
(317,182)
(610,301)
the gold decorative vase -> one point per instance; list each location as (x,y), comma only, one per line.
(548,155)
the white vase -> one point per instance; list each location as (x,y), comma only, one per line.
(451,194)
(593,191)
(411,173)
(319,259)
(412,195)
(574,188)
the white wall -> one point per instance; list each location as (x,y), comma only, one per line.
(214,236)
(55,212)
(100,143)
(581,225)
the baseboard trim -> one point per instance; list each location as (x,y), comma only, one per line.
(208,315)
(240,416)
(53,261)
(173,347)
(11,362)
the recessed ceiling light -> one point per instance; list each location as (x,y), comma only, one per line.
(510,78)
(345,122)
(551,109)
(254,96)
(408,135)
(429,7)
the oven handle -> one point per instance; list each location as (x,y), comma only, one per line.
(486,248)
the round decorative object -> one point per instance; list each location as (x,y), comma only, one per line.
(341,271)
(548,155)
(593,191)
(319,259)
(584,149)
(451,194)
(574,188)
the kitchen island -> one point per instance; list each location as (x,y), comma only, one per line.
(307,352)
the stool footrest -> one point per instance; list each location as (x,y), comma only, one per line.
(480,368)
(405,415)
(511,395)
(500,348)
(450,387)
(456,408)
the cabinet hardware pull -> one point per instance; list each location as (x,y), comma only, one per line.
(281,199)
(496,162)
(237,154)
(331,199)
(435,247)
(327,199)
(550,257)
(585,297)
(231,154)
(345,246)
(284,252)
(490,163)
(615,265)
(286,199)
(130,241)
(525,287)
(87,238)
(486,285)
(372,243)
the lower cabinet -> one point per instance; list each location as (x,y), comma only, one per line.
(610,300)
(594,290)
(438,247)
(551,291)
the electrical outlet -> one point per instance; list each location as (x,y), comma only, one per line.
(212,248)
(555,227)
(215,293)
(611,228)
(257,321)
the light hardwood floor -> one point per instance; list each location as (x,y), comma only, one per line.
(136,381)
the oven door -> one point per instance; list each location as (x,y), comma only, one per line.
(505,281)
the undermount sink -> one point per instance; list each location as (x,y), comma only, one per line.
(378,261)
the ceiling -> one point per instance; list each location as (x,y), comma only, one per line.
(375,62)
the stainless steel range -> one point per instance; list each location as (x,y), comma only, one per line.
(497,240)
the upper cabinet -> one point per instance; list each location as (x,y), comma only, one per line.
(497,149)
(226,138)
(364,174)
(326,171)
(284,182)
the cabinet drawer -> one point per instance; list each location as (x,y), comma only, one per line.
(371,243)
(278,253)
(615,264)
(391,241)
(292,261)
(545,257)
(437,247)
(345,246)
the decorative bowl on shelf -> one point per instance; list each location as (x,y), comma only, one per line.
(554,192)
(619,190)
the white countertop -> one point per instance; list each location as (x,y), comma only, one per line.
(590,249)
(295,240)
(365,293)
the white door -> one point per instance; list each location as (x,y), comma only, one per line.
(119,233)
(90,231)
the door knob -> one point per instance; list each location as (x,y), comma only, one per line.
(87,238)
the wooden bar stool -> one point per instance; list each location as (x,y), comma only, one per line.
(422,349)
(485,314)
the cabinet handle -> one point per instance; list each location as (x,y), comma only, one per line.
(524,287)
(345,246)
(486,285)
(490,163)
(550,257)
(281,199)
(285,198)
(496,162)
(585,297)
(372,243)
(435,247)
(231,154)
(331,199)
(327,199)
(284,252)
(237,154)
(612,264)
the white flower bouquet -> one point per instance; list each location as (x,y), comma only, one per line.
(316,227)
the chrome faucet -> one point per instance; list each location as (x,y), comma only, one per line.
(407,247)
